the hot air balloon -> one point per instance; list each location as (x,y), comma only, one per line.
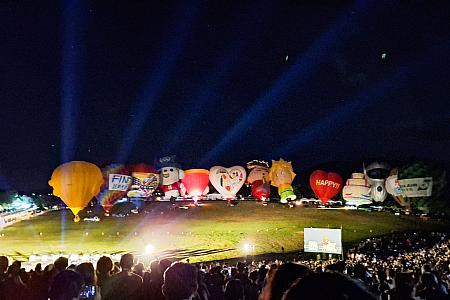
(356,192)
(258,179)
(227,181)
(115,186)
(195,183)
(76,183)
(170,175)
(376,174)
(281,175)
(145,181)
(325,185)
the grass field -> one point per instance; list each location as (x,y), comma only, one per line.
(211,232)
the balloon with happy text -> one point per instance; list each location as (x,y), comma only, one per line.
(325,185)
(76,183)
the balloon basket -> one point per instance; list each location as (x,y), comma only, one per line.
(76,219)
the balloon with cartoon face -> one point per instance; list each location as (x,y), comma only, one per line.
(258,179)
(169,177)
(281,175)
(376,174)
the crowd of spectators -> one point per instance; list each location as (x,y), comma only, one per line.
(399,266)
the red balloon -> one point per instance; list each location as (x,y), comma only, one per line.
(260,190)
(196,181)
(325,185)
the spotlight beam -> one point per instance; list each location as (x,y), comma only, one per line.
(201,102)
(73,20)
(329,123)
(159,76)
(297,76)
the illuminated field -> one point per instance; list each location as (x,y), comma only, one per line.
(214,231)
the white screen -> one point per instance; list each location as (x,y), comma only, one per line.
(323,240)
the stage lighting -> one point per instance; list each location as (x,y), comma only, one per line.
(149,249)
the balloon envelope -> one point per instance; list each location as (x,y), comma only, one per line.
(195,181)
(260,190)
(227,181)
(325,185)
(145,181)
(115,185)
(357,190)
(258,178)
(76,183)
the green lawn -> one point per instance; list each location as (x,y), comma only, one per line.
(214,231)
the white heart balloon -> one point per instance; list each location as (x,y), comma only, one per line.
(227,181)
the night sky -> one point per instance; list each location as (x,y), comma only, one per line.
(222,82)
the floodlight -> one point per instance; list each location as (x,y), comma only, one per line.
(149,249)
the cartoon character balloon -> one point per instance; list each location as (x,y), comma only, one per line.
(281,175)
(170,175)
(325,185)
(227,181)
(376,174)
(145,181)
(76,183)
(258,179)
(195,183)
(115,185)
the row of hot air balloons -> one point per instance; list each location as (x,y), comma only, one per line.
(77,182)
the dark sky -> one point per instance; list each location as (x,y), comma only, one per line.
(222,82)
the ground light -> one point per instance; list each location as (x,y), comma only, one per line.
(149,249)
(248,248)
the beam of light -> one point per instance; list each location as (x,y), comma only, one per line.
(200,103)
(343,113)
(365,100)
(159,76)
(73,20)
(296,76)
(202,100)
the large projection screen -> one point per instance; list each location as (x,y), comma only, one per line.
(323,240)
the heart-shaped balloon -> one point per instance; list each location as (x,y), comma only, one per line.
(227,181)
(325,185)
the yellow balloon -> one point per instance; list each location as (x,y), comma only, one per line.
(76,183)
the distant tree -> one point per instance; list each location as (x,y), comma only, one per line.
(437,202)
(46,200)
(303,191)
(7,197)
